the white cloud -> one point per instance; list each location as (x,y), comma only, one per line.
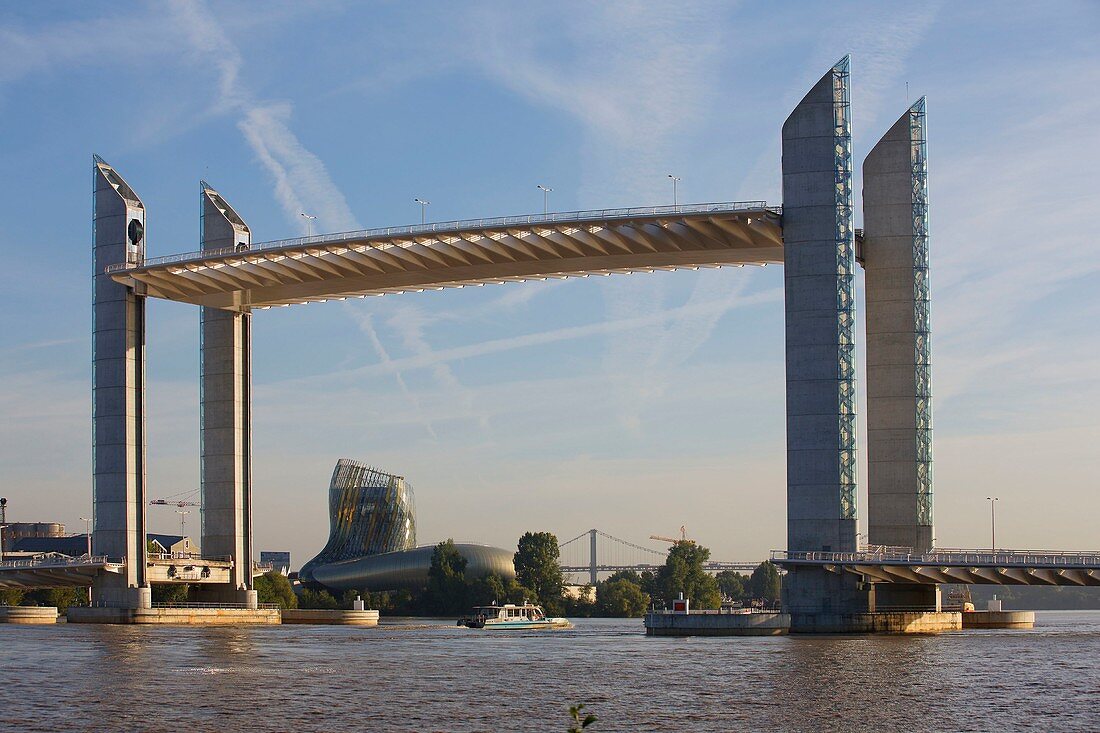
(302,183)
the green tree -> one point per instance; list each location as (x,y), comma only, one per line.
(537,568)
(495,589)
(10,596)
(683,573)
(732,584)
(765,582)
(274,587)
(313,598)
(447,590)
(62,598)
(170,593)
(621,599)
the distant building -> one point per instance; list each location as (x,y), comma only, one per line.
(17,531)
(74,546)
(372,537)
(77,545)
(171,544)
(279,561)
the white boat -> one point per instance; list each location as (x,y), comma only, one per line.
(512,616)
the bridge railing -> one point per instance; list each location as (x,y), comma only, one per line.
(947,556)
(457,225)
(46,562)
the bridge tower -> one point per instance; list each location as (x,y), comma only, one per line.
(819,267)
(592,564)
(899,383)
(226,415)
(118,392)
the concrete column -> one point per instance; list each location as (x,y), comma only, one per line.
(226,416)
(820,319)
(899,388)
(819,266)
(118,392)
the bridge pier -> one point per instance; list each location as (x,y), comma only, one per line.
(226,417)
(118,393)
(819,267)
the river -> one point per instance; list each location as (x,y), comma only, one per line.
(412,675)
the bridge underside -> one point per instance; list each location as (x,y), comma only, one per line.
(918,573)
(82,574)
(357,264)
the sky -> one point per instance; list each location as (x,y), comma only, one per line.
(633,404)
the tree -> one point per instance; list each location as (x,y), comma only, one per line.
(732,584)
(495,589)
(312,598)
(10,596)
(62,598)
(274,587)
(169,593)
(765,582)
(621,599)
(536,562)
(683,573)
(447,588)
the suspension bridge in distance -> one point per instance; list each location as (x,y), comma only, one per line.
(605,553)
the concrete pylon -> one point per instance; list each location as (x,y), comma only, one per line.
(899,355)
(118,389)
(819,267)
(226,416)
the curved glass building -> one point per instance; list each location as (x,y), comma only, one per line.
(372,537)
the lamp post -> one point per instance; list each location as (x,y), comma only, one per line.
(545,191)
(423,210)
(675,180)
(309,223)
(2,542)
(88,533)
(993,520)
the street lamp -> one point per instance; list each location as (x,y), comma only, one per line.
(309,223)
(993,520)
(423,210)
(88,533)
(675,180)
(545,191)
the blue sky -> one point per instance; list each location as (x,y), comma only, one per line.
(635,404)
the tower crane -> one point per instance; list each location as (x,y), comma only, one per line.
(673,540)
(180,510)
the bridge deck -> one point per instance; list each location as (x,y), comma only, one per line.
(81,571)
(457,254)
(1004,567)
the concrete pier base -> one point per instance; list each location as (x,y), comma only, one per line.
(885,622)
(998,620)
(330,618)
(182,616)
(713,623)
(28,614)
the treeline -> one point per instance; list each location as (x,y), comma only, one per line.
(627,593)
(62,598)
(1036,597)
(539,580)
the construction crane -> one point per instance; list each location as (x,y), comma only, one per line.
(673,540)
(180,510)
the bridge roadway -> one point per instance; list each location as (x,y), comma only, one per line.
(56,572)
(1003,567)
(710,567)
(462,253)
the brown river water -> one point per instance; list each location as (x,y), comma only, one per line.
(412,677)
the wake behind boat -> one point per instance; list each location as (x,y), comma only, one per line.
(512,616)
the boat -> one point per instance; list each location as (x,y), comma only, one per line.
(512,616)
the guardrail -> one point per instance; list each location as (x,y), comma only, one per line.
(184,604)
(944,556)
(47,562)
(188,556)
(457,225)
